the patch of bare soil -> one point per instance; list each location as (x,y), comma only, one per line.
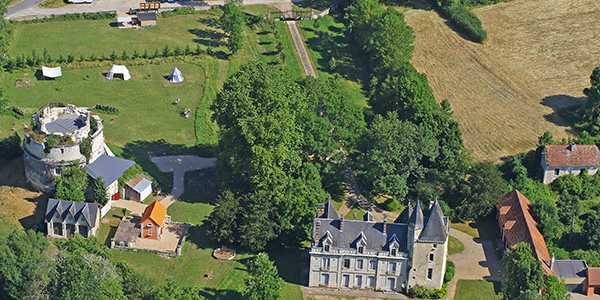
(20,205)
(505,93)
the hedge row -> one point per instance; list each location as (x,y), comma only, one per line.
(482,2)
(105,109)
(71,17)
(178,11)
(464,19)
(35,60)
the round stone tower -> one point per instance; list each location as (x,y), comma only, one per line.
(58,138)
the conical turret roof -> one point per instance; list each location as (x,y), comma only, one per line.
(436,227)
(416,219)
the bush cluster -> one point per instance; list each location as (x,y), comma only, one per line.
(178,11)
(12,111)
(450,271)
(105,109)
(481,2)
(423,293)
(464,19)
(71,17)
(35,60)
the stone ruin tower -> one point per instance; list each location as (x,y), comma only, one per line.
(58,138)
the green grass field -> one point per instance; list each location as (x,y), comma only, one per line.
(477,290)
(455,246)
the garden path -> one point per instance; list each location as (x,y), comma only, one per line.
(354,196)
(301,48)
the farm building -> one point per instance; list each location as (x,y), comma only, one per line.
(153,220)
(147,19)
(138,189)
(560,160)
(65,218)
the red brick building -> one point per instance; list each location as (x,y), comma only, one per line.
(152,221)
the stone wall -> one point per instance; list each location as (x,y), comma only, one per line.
(422,264)
(550,172)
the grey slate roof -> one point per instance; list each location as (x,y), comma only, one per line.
(373,232)
(65,123)
(436,229)
(570,268)
(109,167)
(147,16)
(78,210)
(416,219)
(404,217)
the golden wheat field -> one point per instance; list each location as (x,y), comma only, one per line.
(505,93)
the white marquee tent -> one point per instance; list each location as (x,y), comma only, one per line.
(51,72)
(176,76)
(118,69)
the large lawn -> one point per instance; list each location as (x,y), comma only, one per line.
(477,290)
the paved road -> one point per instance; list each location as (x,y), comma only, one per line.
(179,165)
(306,64)
(27,9)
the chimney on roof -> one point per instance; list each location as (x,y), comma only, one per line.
(384,225)
(317,232)
(572,147)
(354,216)
(321,210)
(552,263)
(431,204)
(341,223)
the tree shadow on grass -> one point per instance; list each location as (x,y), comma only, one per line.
(142,151)
(197,235)
(36,220)
(289,263)
(208,37)
(216,294)
(211,22)
(563,105)
(201,186)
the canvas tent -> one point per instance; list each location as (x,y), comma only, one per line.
(176,76)
(51,72)
(118,70)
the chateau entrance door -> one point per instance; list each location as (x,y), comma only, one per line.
(345,280)
(391,283)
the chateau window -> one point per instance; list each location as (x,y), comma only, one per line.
(392,267)
(556,172)
(326,248)
(361,249)
(372,265)
(394,251)
(434,246)
(358,280)
(149,229)
(62,151)
(57,171)
(429,273)
(371,281)
(325,279)
(347,263)
(430,256)
(326,263)
(359,264)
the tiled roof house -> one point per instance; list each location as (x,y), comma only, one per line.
(559,160)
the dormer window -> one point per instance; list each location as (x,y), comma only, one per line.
(326,248)
(394,252)
(361,249)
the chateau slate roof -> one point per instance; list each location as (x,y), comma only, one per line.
(436,229)
(416,219)
(78,210)
(373,231)
(109,167)
(329,211)
(65,123)
(404,217)
(571,155)
(570,268)
(524,227)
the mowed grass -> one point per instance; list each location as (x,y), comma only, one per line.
(455,246)
(477,290)
(145,103)
(102,36)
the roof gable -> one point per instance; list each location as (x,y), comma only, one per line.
(155,212)
(109,168)
(70,211)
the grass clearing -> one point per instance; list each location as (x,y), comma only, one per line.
(477,290)
(533,65)
(455,246)
(53,4)
(484,228)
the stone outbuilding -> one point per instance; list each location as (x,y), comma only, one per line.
(560,160)
(65,218)
(153,220)
(138,188)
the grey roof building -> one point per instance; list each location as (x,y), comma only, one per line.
(363,254)
(65,218)
(110,168)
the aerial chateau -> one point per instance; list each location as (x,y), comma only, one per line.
(58,138)
(363,254)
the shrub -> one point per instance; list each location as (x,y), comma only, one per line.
(178,11)
(105,109)
(71,17)
(465,20)
(85,148)
(450,271)
(390,204)
(421,292)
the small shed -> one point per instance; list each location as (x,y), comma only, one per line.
(51,72)
(124,20)
(147,18)
(138,188)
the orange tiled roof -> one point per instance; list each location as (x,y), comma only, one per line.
(155,212)
(519,226)
(593,276)
(572,155)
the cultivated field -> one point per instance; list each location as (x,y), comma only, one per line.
(538,58)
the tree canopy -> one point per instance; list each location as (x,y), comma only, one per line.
(263,282)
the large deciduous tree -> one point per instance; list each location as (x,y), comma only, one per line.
(233,20)
(481,190)
(263,282)
(523,271)
(72,183)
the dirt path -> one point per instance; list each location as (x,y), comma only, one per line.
(354,196)
(299,43)
(505,93)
